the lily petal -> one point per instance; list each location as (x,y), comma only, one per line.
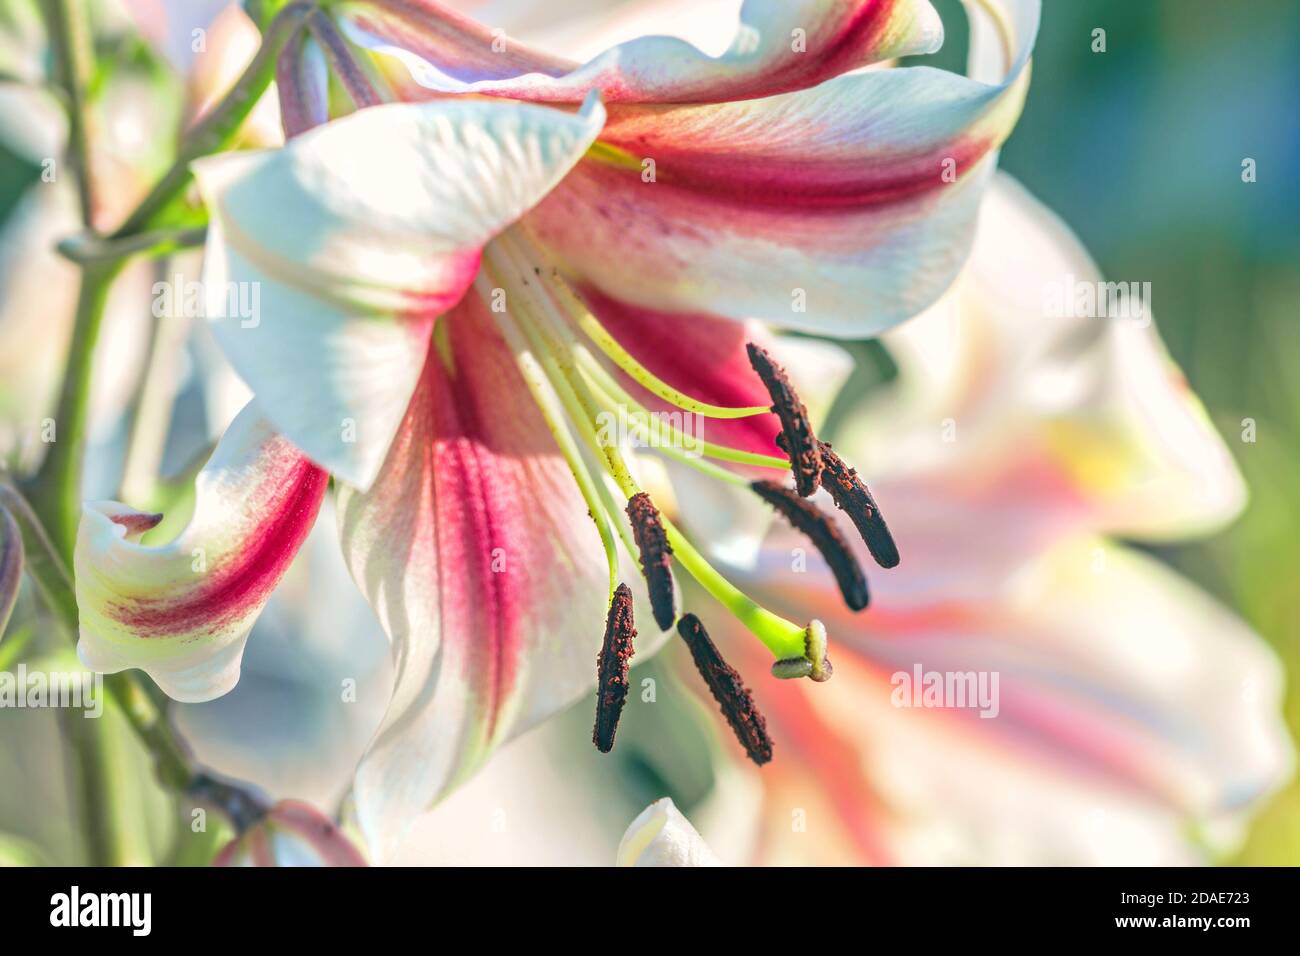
(842,209)
(779,45)
(350,240)
(182,611)
(477,554)
(1035,423)
(661,836)
(313,685)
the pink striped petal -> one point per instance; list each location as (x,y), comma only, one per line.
(182,611)
(779,46)
(842,209)
(327,260)
(292,833)
(477,554)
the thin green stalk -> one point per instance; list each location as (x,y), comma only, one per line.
(74,59)
(55,491)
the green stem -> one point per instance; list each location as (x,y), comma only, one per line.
(92,250)
(74,58)
(56,487)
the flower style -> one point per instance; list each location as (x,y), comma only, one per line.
(1134,720)
(455,295)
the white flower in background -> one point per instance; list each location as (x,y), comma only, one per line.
(661,836)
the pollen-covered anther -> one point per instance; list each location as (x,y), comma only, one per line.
(656,557)
(853,497)
(728,690)
(796,428)
(611,669)
(821,530)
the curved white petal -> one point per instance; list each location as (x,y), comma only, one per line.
(661,836)
(328,259)
(313,687)
(182,611)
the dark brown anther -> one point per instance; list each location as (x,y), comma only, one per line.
(652,542)
(852,497)
(796,428)
(825,536)
(728,690)
(611,669)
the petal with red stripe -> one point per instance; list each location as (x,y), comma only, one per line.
(182,611)
(475,549)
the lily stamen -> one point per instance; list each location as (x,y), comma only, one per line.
(576,311)
(728,689)
(612,667)
(539,332)
(804,516)
(854,498)
(656,554)
(800,442)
